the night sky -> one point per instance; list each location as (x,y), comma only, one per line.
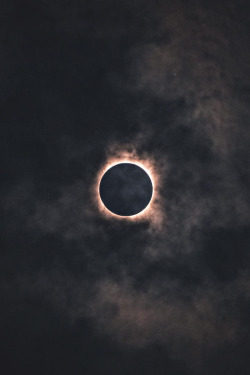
(165,83)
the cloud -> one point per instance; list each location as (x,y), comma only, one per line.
(196,63)
(145,282)
(142,284)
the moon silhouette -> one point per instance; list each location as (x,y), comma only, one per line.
(126,189)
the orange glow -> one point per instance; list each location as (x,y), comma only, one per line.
(151,212)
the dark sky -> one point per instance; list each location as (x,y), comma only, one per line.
(83,82)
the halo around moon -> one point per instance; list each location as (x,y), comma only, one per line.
(126,189)
(153,212)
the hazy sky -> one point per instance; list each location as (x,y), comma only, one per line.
(163,83)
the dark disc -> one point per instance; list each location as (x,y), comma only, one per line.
(126,189)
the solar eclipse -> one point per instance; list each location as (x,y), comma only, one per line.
(126,189)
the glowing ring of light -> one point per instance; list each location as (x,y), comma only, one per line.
(148,166)
(148,176)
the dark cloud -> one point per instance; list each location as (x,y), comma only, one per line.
(84,83)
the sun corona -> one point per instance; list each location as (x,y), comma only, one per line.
(152,210)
